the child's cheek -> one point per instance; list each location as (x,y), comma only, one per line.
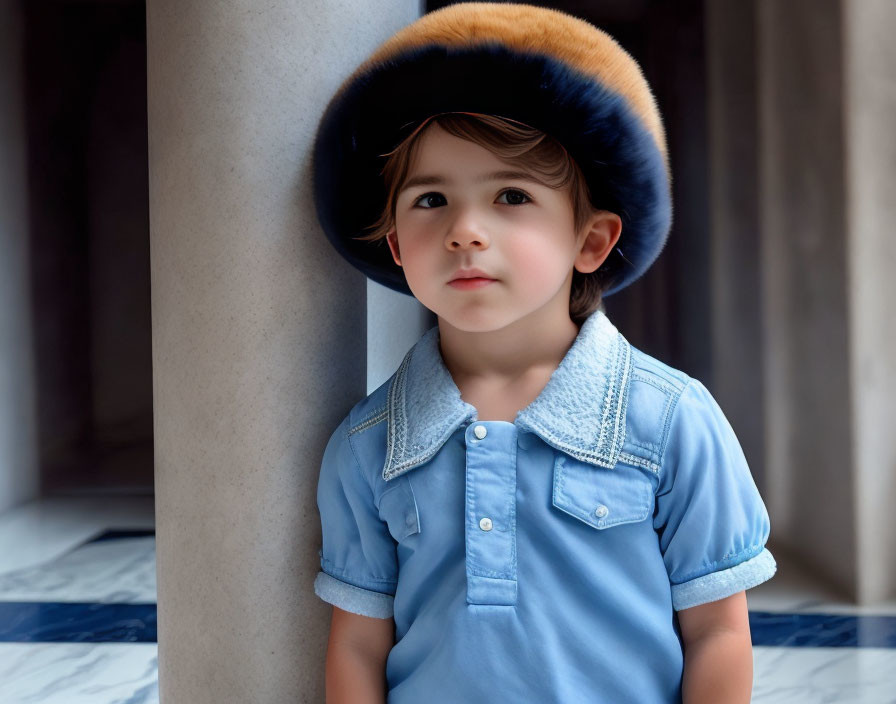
(422,270)
(537,268)
(417,257)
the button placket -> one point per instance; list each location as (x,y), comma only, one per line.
(490,524)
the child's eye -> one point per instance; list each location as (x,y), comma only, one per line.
(513,192)
(425,197)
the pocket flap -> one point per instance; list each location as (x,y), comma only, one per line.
(601,497)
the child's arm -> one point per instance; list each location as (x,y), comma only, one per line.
(718,653)
(356,658)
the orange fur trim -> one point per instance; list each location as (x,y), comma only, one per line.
(526,28)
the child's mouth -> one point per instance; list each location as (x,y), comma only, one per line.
(466,284)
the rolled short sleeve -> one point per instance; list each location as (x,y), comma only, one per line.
(710,518)
(358,559)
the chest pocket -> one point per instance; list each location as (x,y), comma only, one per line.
(398,508)
(602,497)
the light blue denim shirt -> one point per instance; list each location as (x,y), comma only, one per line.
(541,560)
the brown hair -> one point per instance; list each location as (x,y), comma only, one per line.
(521,146)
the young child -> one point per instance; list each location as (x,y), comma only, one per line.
(530,508)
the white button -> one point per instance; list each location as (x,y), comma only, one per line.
(601,511)
(480,432)
(485,523)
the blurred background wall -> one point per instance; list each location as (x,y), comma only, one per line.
(76,314)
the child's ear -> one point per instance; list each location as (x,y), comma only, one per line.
(392,239)
(601,233)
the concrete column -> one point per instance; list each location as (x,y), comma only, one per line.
(258,335)
(827,168)
(870,100)
(19,472)
(734,240)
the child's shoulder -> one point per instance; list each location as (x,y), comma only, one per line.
(650,370)
(370,410)
(661,402)
(362,431)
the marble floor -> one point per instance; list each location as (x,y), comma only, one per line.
(78,616)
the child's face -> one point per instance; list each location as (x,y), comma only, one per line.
(519,232)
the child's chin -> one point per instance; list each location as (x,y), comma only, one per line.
(477,321)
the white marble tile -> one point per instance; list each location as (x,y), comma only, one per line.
(824,675)
(42,530)
(108,571)
(79,673)
(796,590)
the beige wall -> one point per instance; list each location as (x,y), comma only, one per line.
(735,246)
(804,167)
(257,354)
(870,100)
(809,451)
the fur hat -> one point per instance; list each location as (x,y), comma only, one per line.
(542,67)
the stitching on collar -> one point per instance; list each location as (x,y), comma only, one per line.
(371,419)
(581,411)
(397,427)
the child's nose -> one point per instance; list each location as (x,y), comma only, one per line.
(466,234)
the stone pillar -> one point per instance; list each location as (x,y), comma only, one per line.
(258,335)
(734,242)
(19,471)
(869,80)
(827,165)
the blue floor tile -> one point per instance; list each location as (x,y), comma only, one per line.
(52,622)
(822,630)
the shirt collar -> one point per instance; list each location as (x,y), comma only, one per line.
(581,410)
